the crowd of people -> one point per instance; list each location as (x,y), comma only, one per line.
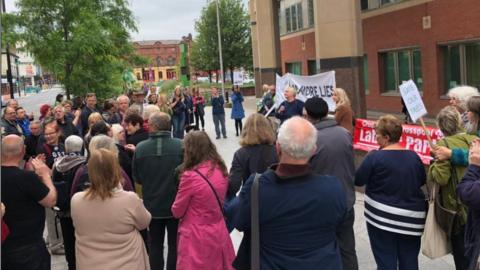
(121,178)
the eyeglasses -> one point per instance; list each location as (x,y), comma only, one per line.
(50,134)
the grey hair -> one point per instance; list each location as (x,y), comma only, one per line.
(11,149)
(116,129)
(449,121)
(9,102)
(159,121)
(292,89)
(463,93)
(73,144)
(102,142)
(149,110)
(36,122)
(122,97)
(297,138)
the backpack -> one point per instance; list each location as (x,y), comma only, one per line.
(63,183)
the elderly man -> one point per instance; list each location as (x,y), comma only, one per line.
(291,106)
(9,123)
(64,123)
(25,194)
(159,186)
(23,121)
(123,103)
(299,211)
(335,157)
(32,140)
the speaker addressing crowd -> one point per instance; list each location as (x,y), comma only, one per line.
(111,183)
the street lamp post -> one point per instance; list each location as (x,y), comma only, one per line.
(220,48)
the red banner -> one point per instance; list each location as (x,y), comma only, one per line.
(413,138)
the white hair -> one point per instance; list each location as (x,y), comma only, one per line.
(297,138)
(462,94)
(149,110)
(73,144)
(292,89)
(102,142)
(116,129)
(123,97)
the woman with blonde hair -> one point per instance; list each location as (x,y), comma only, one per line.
(203,241)
(108,237)
(93,118)
(162,103)
(343,112)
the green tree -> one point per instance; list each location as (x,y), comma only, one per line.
(85,44)
(235,34)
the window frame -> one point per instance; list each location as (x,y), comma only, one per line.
(462,61)
(294,16)
(411,69)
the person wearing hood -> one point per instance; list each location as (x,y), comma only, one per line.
(64,170)
(335,157)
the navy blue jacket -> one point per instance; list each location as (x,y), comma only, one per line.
(217,105)
(294,108)
(298,219)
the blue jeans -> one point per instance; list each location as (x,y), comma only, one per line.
(219,120)
(178,122)
(33,256)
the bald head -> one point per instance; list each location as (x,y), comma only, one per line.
(12,147)
(297,138)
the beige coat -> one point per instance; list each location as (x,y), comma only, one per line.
(107,232)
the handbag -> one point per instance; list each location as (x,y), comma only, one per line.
(214,193)
(446,217)
(434,240)
(255,225)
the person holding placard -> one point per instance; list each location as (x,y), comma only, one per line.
(291,106)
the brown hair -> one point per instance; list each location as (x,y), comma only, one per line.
(473,105)
(94,118)
(104,174)
(389,125)
(199,148)
(257,130)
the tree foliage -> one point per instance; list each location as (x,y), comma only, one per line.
(235,34)
(85,44)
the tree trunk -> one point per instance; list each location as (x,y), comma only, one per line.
(210,76)
(231,75)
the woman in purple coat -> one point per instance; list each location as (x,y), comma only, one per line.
(203,241)
(468,191)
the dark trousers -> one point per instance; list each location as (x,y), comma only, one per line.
(201,118)
(68,233)
(157,238)
(458,250)
(219,120)
(346,242)
(394,251)
(34,256)
(238,126)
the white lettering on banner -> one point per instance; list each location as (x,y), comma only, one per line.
(368,136)
(413,100)
(319,85)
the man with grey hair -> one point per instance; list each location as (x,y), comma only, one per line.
(65,124)
(159,185)
(64,170)
(291,106)
(299,211)
(25,194)
(123,103)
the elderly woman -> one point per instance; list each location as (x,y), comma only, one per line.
(448,176)
(468,191)
(395,207)
(108,237)
(149,110)
(343,112)
(459,97)
(291,106)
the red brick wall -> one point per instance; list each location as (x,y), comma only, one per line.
(163,50)
(292,51)
(450,21)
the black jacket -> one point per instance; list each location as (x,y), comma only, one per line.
(67,128)
(137,137)
(84,118)
(9,128)
(31,144)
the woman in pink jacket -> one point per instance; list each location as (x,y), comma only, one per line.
(203,239)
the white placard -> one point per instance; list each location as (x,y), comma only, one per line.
(237,77)
(413,101)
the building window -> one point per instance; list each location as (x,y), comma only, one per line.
(159,61)
(171,61)
(312,67)
(138,76)
(311,13)
(461,65)
(171,74)
(373,4)
(294,17)
(400,66)
(160,75)
(294,68)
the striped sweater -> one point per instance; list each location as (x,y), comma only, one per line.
(394,200)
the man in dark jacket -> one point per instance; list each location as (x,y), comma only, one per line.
(218,112)
(91,107)
(32,141)
(290,107)
(154,165)
(335,157)
(67,128)
(9,124)
(299,211)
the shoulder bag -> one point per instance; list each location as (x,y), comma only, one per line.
(255,225)
(214,193)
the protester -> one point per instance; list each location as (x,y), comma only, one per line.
(91,107)
(118,134)
(189,117)
(218,112)
(45,112)
(139,100)
(58,100)
(179,109)
(450,123)
(238,113)
(108,237)
(123,104)
(23,121)
(299,211)
(268,100)
(13,103)
(163,105)
(52,148)
(459,97)
(64,170)
(93,118)
(9,124)
(203,241)
(199,109)
(291,106)
(70,113)
(395,206)
(32,141)
(110,114)
(152,99)
(25,194)
(335,157)
(159,186)
(468,191)
(343,111)
(135,131)
(149,110)
(66,126)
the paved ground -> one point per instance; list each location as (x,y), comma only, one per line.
(227,147)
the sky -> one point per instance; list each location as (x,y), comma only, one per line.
(160,19)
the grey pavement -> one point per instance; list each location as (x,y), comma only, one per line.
(227,148)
